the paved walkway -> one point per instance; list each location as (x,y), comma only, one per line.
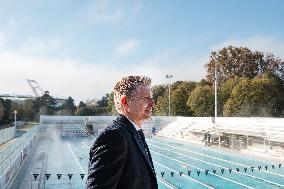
(35,163)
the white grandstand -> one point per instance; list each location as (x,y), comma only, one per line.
(80,125)
(259,134)
(231,132)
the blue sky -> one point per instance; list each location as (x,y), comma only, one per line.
(81,48)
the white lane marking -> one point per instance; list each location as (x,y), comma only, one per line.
(217,158)
(211,149)
(166,183)
(190,177)
(262,179)
(204,170)
(75,158)
(162,181)
(184,175)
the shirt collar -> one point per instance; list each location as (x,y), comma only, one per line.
(135,126)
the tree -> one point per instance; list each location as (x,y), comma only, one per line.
(262,96)
(203,82)
(82,104)
(25,110)
(224,93)
(45,101)
(160,96)
(69,106)
(157,91)
(179,98)
(101,106)
(16,106)
(201,101)
(110,105)
(234,62)
(162,106)
(29,110)
(43,110)
(103,101)
(84,111)
(273,65)
(7,110)
(1,110)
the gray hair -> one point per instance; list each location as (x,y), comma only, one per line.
(127,86)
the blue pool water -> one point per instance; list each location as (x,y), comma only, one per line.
(173,160)
(173,156)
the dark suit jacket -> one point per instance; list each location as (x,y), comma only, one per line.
(118,159)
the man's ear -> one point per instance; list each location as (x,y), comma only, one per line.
(123,101)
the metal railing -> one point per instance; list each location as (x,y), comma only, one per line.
(7,134)
(8,154)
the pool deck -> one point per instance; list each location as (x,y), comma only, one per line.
(36,160)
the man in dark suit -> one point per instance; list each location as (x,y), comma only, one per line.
(120,157)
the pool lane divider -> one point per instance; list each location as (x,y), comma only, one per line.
(198,172)
(169,185)
(47,176)
(194,180)
(215,172)
(238,171)
(247,166)
(59,176)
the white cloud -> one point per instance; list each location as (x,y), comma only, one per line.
(66,77)
(36,46)
(110,11)
(266,44)
(69,77)
(102,11)
(183,68)
(126,47)
(60,77)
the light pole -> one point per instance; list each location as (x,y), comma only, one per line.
(215,86)
(215,91)
(15,112)
(168,76)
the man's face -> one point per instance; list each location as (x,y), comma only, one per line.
(140,106)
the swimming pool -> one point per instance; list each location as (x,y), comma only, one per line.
(175,158)
(177,164)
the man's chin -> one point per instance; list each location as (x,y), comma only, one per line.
(146,116)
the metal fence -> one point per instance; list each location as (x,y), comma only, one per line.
(13,155)
(7,134)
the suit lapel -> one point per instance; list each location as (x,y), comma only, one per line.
(124,121)
(142,150)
